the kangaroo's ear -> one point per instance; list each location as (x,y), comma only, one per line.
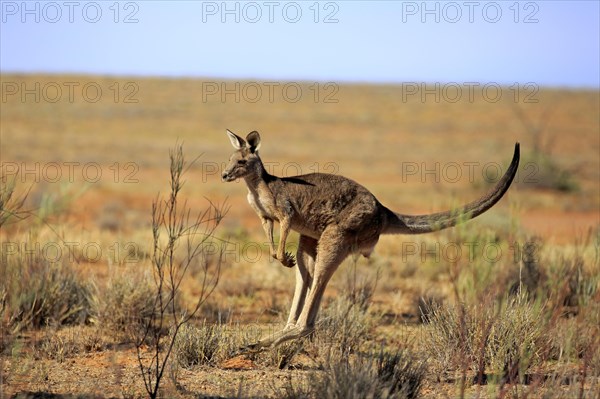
(253,140)
(236,141)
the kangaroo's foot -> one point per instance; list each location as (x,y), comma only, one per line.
(273,340)
(263,343)
(291,333)
(287,334)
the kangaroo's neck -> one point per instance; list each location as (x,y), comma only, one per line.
(259,179)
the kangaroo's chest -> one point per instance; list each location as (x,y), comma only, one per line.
(263,203)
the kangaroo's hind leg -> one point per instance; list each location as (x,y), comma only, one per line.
(305,257)
(306,254)
(332,249)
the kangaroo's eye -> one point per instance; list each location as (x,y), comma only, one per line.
(241,162)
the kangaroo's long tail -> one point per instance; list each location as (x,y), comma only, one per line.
(417,224)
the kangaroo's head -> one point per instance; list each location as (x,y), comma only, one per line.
(245,160)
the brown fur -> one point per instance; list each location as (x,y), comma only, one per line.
(335,217)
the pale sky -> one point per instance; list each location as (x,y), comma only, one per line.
(549,43)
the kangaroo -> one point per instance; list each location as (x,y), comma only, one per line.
(335,217)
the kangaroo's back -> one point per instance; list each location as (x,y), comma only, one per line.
(320,200)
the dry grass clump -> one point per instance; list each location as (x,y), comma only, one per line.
(510,322)
(569,279)
(381,375)
(60,344)
(126,302)
(343,327)
(210,344)
(425,303)
(39,285)
(573,290)
(199,345)
(571,283)
(37,292)
(502,342)
(402,374)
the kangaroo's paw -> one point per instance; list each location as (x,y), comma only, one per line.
(288,260)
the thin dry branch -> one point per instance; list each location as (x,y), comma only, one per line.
(194,235)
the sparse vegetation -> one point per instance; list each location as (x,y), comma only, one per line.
(11,204)
(521,322)
(500,342)
(125,304)
(199,345)
(382,375)
(343,327)
(38,292)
